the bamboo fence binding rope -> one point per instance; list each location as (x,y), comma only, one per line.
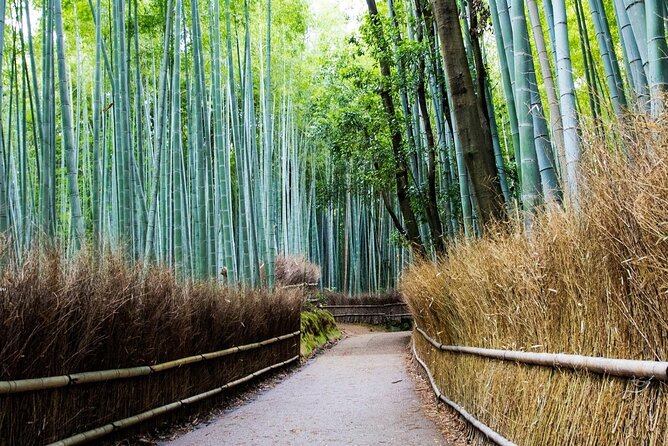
(625,368)
(54,382)
(482,427)
(93,434)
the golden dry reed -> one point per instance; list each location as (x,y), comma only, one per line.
(59,317)
(592,281)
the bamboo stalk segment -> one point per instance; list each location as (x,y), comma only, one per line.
(482,427)
(54,382)
(625,368)
(93,434)
(27,385)
(109,375)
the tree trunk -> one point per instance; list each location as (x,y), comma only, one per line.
(433,217)
(401,173)
(476,144)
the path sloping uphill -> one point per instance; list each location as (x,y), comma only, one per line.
(357,393)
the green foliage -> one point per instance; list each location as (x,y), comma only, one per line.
(318,327)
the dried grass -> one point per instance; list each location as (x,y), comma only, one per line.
(59,317)
(593,282)
(295,270)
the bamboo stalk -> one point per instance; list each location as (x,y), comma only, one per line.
(625,368)
(93,434)
(54,382)
(482,427)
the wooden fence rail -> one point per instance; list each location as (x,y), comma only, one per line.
(53,382)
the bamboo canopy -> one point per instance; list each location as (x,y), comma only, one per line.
(54,382)
(626,368)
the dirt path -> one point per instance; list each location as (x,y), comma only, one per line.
(357,393)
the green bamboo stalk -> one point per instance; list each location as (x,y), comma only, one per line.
(222,150)
(567,103)
(76,214)
(606,50)
(159,131)
(548,81)
(4,199)
(637,76)
(530,176)
(657,54)
(268,164)
(635,10)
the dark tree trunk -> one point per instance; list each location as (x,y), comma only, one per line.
(480,70)
(433,217)
(401,168)
(475,140)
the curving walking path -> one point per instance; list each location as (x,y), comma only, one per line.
(357,393)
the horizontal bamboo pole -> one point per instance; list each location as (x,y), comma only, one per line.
(395,304)
(482,427)
(54,382)
(94,434)
(373,315)
(625,368)
(298,285)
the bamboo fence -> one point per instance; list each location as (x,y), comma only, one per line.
(94,434)
(624,368)
(53,382)
(374,314)
(131,396)
(492,435)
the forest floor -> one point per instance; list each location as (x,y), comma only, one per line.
(358,392)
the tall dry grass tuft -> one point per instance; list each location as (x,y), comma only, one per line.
(295,270)
(591,282)
(60,317)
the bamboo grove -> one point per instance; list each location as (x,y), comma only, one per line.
(191,155)
(481,104)
(212,138)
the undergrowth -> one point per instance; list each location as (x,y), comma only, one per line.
(591,280)
(318,327)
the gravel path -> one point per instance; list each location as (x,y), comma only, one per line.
(357,393)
